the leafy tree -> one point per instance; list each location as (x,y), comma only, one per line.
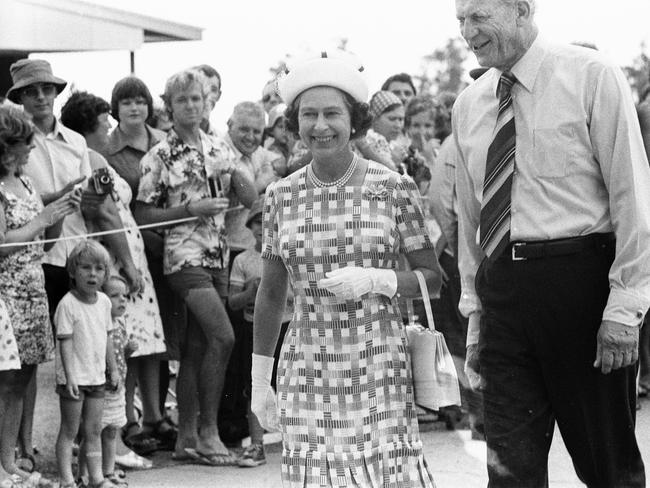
(443,70)
(638,74)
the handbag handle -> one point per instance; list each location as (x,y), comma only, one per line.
(425,298)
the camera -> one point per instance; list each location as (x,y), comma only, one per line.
(102,181)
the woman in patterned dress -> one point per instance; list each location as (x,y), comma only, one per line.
(334,230)
(23,218)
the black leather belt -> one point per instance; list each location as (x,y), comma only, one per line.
(524,250)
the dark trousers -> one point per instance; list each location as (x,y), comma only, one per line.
(537,346)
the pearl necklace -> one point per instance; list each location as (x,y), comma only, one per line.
(340,182)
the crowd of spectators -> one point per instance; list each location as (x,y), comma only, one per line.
(182,288)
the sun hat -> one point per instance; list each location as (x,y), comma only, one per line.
(274,114)
(381,100)
(25,72)
(256,209)
(336,68)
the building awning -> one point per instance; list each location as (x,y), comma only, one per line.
(72,25)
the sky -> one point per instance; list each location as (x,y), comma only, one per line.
(244,38)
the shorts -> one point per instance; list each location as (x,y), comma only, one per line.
(190,336)
(196,277)
(114,414)
(90,391)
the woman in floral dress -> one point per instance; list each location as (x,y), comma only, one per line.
(22,219)
(334,230)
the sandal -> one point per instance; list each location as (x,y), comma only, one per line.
(105,483)
(132,460)
(142,443)
(26,463)
(14,481)
(165,431)
(116,480)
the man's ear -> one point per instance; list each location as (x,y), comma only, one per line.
(524,11)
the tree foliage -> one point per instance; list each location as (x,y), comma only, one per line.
(638,74)
(443,70)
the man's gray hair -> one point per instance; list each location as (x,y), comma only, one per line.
(251,109)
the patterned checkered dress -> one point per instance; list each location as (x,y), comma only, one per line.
(345,393)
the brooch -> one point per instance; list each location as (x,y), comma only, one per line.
(376,192)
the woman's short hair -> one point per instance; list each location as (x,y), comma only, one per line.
(439,110)
(182,81)
(15,128)
(81,110)
(130,87)
(400,78)
(91,250)
(360,119)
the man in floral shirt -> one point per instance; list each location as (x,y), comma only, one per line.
(191,174)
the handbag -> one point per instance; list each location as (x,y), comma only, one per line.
(434,375)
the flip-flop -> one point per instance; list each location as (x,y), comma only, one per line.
(213,459)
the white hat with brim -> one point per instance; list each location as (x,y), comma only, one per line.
(338,69)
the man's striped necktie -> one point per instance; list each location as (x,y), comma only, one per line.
(499,168)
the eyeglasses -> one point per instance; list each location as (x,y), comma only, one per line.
(32,91)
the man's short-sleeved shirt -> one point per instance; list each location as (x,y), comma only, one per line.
(173,174)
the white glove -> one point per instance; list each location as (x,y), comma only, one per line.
(352,282)
(263,403)
(472,366)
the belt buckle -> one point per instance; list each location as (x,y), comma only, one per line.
(515,246)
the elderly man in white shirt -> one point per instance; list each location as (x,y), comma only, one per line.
(245,129)
(554,232)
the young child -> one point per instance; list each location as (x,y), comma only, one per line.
(244,280)
(114,415)
(83,354)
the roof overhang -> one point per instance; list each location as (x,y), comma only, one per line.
(74,25)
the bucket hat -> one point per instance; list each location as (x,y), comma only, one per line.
(25,72)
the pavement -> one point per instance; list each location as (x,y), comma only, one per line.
(455,460)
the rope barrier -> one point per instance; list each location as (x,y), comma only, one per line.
(166,223)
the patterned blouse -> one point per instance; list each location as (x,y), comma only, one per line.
(173,174)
